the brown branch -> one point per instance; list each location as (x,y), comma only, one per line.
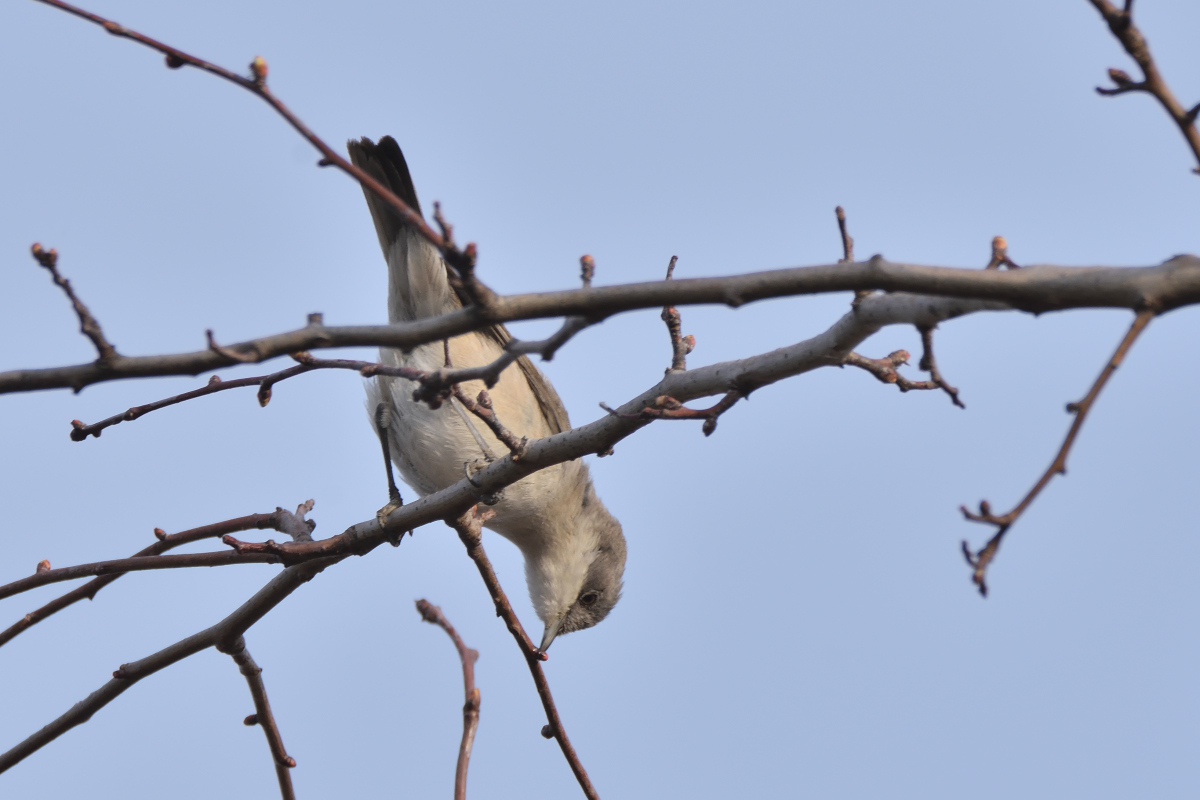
(88,325)
(1120,22)
(257,85)
(294,525)
(80,431)
(885,369)
(433,615)
(680,345)
(929,364)
(121,566)
(980,560)
(222,634)
(667,407)
(1168,286)
(165,542)
(469,528)
(262,715)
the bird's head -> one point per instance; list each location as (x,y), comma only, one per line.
(575,580)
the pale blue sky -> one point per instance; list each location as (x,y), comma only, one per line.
(797,619)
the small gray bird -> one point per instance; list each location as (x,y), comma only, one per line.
(574,549)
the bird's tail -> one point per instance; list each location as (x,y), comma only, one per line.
(418,286)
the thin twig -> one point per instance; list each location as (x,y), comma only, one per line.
(680,345)
(929,364)
(1120,22)
(885,370)
(433,615)
(980,560)
(482,408)
(262,715)
(667,407)
(88,325)
(469,527)
(257,85)
(165,542)
(848,252)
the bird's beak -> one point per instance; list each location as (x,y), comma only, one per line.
(551,632)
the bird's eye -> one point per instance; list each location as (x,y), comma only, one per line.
(589,598)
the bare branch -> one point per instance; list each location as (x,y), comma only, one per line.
(980,560)
(929,364)
(88,325)
(469,527)
(263,715)
(165,542)
(1120,22)
(1167,286)
(433,615)
(224,632)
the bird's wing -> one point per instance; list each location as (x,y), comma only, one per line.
(385,162)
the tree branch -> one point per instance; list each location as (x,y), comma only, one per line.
(224,632)
(469,527)
(165,542)
(433,615)
(980,561)
(1120,22)
(263,715)
(1168,286)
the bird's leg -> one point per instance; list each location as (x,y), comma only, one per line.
(383,421)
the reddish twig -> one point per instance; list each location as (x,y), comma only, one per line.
(667,407)
(885,369)
(433,615)
(1120,22)
(469,528)
(165,542)
(980,560)
(256,84)
(88,325)
(80,431)
(680,345)
(929,364)
(262,715)
(307,363)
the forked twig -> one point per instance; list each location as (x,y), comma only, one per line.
(1120,22)
(980,560)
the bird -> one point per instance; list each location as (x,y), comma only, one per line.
(573,547)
